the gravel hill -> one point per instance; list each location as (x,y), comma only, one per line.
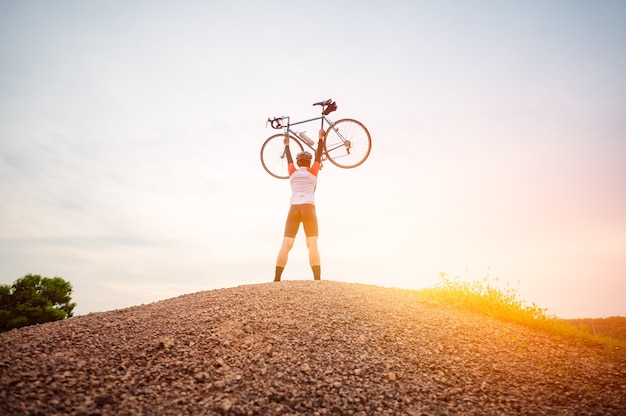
(301,347)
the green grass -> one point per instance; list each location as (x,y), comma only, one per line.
(486,297)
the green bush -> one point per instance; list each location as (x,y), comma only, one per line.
(33,299)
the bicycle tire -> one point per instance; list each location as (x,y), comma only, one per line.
(273,156)
(347,143)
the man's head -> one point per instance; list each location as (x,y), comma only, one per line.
(303,159)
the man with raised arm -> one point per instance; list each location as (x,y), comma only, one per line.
(303,181)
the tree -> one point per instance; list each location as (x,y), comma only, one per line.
(33,299)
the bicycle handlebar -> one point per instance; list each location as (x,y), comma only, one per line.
(276,122)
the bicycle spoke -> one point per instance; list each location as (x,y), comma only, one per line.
(347,143)
(273,157)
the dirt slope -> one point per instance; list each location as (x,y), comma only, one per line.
(300,347)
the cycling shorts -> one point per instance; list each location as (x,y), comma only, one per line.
(301,213)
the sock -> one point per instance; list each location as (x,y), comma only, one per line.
(317,272)
(278,273)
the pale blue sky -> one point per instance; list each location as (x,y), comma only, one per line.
(130,134)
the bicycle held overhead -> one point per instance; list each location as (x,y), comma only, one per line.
(347,143)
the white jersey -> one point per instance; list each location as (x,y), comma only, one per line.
(303,183)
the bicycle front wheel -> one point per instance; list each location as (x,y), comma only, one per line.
(347,143)
(273,156)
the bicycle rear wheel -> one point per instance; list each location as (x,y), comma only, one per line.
(347,143)
(273,156)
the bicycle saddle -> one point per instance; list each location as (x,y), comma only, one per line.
(327,102)
(329,106)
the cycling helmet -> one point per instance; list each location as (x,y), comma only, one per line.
(304,156)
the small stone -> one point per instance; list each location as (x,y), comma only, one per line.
(391,376)
(201,377)
(165,344)
(226,405)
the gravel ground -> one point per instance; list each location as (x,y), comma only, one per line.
(301,347)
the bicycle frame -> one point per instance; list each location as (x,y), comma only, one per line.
(323,118)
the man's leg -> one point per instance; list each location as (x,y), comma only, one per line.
(314,257)
(283,255)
